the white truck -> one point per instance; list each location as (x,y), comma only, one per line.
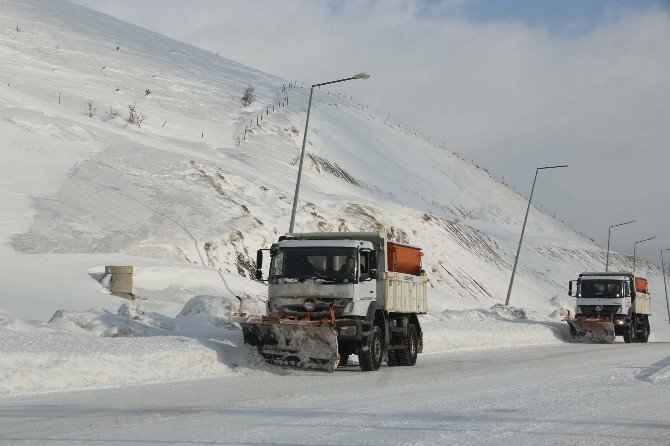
(609,305)
(336,294)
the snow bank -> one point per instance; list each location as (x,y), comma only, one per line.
(495,327)
(98,348)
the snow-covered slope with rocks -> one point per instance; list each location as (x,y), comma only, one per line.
(188,197)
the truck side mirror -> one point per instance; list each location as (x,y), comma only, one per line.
(373,274)
(570,288)
(259,260)
(259,264)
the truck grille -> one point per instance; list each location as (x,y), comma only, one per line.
(320,308)
(607,310)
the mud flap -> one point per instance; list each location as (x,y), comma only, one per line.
(594,330)
(292,343)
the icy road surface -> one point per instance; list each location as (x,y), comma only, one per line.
(567,394)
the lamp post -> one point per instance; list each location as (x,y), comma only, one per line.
(523,229)
(634,248)
(304,141)
(609,234)
(667,304)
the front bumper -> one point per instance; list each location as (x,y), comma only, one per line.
(352,329)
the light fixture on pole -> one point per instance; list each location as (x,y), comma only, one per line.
(667,304)
(304,141)
(523,229)
(609,234)
(635,247)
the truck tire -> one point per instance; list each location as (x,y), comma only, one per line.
(371,358)
(391,358)
(643,333)
(627,336)
(630,334)
(407,356)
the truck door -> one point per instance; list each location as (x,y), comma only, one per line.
(367,285)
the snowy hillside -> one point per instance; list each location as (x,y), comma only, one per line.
(188,205)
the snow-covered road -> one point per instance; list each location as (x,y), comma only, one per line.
(566,394)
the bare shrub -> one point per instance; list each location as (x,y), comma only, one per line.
(248,98)
(90,111)
(147,92)
(113,111)
(135,117)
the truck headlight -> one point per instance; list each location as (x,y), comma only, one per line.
(349,308)
(349,330)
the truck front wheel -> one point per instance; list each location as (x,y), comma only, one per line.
(370,357)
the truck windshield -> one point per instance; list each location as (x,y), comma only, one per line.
(599,289)
(327,264)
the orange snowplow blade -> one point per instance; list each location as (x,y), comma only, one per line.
(592,329)
(293,343)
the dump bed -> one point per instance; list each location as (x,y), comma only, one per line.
(404,293)
(405,287)
(642,303)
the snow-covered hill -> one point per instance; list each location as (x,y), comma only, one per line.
(188,196)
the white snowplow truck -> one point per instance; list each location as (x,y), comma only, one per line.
(336,294)
(609,305)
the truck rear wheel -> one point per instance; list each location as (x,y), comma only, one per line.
(643,333)
(630,335)
(407,356)
(370,357)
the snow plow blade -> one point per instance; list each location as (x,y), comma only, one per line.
(292,343)
(594,330)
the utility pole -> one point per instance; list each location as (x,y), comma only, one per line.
(609,235)
(523,230)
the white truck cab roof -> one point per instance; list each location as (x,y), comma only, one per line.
(324,243)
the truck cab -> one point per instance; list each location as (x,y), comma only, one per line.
(604,295)
(311,276)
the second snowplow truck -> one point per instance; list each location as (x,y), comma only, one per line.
(609,305)
(332,295)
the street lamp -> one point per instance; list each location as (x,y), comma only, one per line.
(304,141)
(523,229)
(667,304)
(609,234)
(635,246)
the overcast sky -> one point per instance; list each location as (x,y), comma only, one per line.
(511,84)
